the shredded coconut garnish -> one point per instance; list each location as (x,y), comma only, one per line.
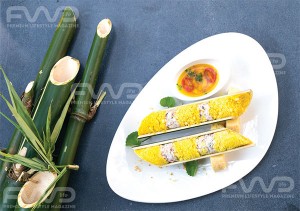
(205,143)
(168,152)
(204,111)
(171,121)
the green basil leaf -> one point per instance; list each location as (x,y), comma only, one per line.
(191,167)
(132,140)
(168,102)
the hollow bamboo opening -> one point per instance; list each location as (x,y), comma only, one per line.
(104,28)
(34,189)
(64,71)
(29,87)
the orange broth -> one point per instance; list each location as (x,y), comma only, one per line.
(198,80)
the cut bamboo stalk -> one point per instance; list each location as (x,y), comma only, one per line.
(27,97)
(178,139)
(5,167)
(80,111)
(16,138)
(237,109)
(18,168)
(185,127)
(233,124)
(34,188)
(219,162)
(8,199)
(57,49)
(56,93)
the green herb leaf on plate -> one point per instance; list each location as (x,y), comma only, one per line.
(132,140)
(168,102)
(191,167)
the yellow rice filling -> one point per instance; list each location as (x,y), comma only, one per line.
(186,149)
(153,123)
(232,106)
(188,115)
(228,139)
(152,155)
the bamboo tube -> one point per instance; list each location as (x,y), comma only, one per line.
(80,111)
(35,187)
(27,97)
(9,194)
(219,162)
(15,140)
(56,93)
(13,147)
(57,49)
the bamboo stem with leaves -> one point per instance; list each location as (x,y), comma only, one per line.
(43,146)
(54,97)
(17,136)
(60,42)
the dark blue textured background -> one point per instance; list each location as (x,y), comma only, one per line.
(146,35)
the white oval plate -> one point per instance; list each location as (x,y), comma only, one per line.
(136,180)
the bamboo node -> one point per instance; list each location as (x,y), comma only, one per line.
(27,102)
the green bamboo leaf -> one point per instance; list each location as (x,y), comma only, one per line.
(30,163)
(48,123)
(12,122)
(29,134)
(18,105)
(9,85)
(47,147)
(6,160)
(60,121)
(38,160)
(47,140)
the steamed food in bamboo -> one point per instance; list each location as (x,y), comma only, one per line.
(228,106)
(192,147)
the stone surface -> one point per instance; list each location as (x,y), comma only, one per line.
(146,35)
